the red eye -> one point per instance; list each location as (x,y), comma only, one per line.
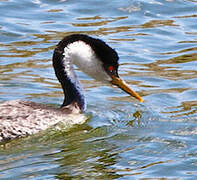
(111,68)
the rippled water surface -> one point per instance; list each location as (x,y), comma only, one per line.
(123,139)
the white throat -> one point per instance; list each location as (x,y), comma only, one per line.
(82,55)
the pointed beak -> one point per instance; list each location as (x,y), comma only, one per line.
(125,87)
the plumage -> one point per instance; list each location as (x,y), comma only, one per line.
(20,118)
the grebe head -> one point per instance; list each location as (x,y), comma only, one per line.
(93,56)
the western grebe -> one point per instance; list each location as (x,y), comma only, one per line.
(94,57)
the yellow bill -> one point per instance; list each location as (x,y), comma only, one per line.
(122,84)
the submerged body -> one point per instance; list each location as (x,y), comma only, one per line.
(20,118)
(94,57)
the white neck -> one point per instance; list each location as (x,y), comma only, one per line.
(82,55)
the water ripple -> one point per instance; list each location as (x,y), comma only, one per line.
(123,139)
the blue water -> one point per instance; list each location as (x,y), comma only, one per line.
(123,139)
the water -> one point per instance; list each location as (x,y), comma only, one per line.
(157,44)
